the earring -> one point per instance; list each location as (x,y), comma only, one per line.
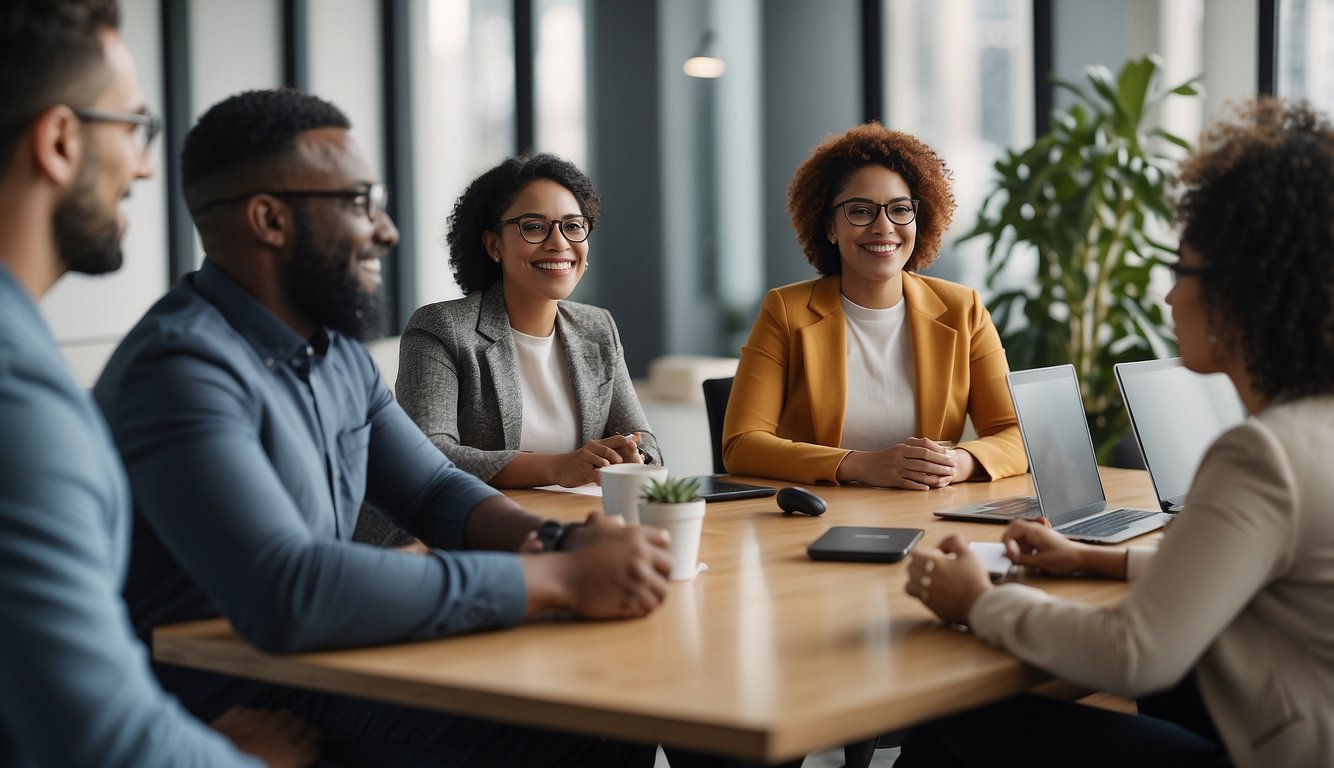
(587,261)
(1212,339)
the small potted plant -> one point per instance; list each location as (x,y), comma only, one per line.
(674,505)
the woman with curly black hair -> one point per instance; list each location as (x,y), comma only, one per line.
(866,374)
(512,382)
(1234,613)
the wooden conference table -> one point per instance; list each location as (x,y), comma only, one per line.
(766,656)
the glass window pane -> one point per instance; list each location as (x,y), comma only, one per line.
(463,118)
(561,80)
(1306,51)
(959,76)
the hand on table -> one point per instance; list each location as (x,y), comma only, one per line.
(916,464)
(948,579)
(608,571)
(580,466)
(1033,543)
(280,739)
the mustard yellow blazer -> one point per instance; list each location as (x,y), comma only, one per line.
(785,416)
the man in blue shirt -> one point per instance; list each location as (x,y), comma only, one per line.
(253,425)
(75,685)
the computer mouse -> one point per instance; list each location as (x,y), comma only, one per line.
(795,499)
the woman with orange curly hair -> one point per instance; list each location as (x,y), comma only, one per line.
(866,374)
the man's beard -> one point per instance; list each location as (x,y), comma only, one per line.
(87,239)
(321,286)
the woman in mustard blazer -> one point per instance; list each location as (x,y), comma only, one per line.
(866,374)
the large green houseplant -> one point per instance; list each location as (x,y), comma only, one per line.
(1089,198)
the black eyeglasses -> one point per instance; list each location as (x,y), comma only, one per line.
(861,212)
(146,124)
(375,197)
(536,230)
(1180,270)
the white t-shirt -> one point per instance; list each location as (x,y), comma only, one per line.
(549,424)
(881,404)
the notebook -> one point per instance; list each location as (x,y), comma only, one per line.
(1064,465)
(1176,414)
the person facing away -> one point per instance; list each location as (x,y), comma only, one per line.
(513,382)
(1227,631)
(75,685)
(253,425)
(867,373)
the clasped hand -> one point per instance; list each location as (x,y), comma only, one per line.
(917,464)
(580,466)
(610,570)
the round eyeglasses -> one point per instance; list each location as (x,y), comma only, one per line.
(536,230)
(375,198)
(860,212)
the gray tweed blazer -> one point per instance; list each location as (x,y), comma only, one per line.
(458,378)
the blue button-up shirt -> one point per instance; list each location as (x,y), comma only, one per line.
(250,450)
(75,685)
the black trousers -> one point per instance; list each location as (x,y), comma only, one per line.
(1172,729)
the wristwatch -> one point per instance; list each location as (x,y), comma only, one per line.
(645,456)
(553,533)
(549,533)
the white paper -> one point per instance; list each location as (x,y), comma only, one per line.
(993,557)
(589,489)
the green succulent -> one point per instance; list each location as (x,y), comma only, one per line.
(673,490)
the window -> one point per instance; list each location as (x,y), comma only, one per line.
(959,75)
(1306,51)
(463,56)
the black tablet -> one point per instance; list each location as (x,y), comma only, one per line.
(864,545)
(713,489)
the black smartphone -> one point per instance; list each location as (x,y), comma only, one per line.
(864,545)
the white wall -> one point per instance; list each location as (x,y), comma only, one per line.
(89,314)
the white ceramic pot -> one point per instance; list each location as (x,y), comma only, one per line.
(684,522)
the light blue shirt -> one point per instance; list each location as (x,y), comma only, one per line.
(250,450)
(75,685)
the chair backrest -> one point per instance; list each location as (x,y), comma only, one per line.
(716,393)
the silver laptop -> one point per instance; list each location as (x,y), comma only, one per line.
(1177,414)
(1064,466)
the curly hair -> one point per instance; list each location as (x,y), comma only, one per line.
(486,198)
(826,172)
(1257,202)
(249,130)
(50,53)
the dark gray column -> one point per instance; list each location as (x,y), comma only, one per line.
(812,88)
(627,271)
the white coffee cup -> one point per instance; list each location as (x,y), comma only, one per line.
(684,522)
(622,485)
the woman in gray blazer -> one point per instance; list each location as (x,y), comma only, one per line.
(1233,615)
(513,382)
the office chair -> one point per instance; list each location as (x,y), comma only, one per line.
(716,394)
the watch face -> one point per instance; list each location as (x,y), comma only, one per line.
(549,533)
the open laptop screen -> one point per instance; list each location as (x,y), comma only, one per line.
(1056,436)
(1177,414)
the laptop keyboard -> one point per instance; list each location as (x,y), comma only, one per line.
(1111,523)
(1020,506)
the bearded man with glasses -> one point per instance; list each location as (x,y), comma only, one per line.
(254,425)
